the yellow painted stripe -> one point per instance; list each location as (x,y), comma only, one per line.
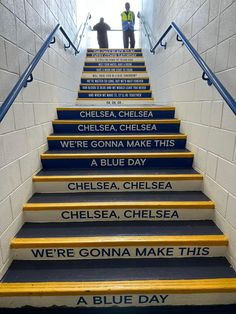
(117,155)
(79,108)
(187,286)
(162,121)
(114,98)
(91,84)
(116,78)
(124,177)
(113,57)
(112,92)
(120,205)
(110,241)
(117,137)
(115,72)
(115,66)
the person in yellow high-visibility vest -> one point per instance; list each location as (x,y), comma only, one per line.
(128,21)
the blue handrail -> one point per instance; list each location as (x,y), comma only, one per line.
(207,75)
(27,76)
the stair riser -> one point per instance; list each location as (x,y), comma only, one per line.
(116,163)
(114,54)
(119,60)
(94,215)
(114,64)
(115,101)
(113,75)
(116,128)
(97,300)
(74,186)
(117,94)
(113,88)
(117,252)
(115,81)
(114,69)
(96,145)
(114,114)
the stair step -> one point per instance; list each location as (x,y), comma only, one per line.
(116,126)
(120,59)
(131,142)
(114,94)
(114,50)
(123,113)
(116,160)
(115,81)
(148,206)
(114,75)
(123,283)
(109,63)
(114,87)
(118,240)
(115,69)
(74,181)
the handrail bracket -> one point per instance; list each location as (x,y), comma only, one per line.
(29,80)
(206,78)
(163,45)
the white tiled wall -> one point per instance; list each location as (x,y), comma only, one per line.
(24,25)
(176,79)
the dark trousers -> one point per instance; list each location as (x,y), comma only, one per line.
(128,37)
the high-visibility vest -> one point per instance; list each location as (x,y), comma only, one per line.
(127,20)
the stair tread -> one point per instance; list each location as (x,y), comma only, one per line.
(108,172)
(122,270)
(117,136)
(118,197)
(94,229)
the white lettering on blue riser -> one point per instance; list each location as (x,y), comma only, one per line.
(116,186)
(114,114)
(119,252)
(116,128)
(117,143)
(119,300)
(118,162)
(113,214)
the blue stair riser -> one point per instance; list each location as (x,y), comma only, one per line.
(152,128)
(114,54)
(114,64)
(95,145)
(114,87)
(136,94)
(114,114)
(114,50)
(114,69)
(114,81)
(116,163)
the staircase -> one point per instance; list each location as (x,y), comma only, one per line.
(118,217)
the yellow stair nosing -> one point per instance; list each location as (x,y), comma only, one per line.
(119,287)
(114,91)
(184,286)
(118,137)
(120,205)
(113,84)
(114,98)
(154,108)
(156,121)
(148,177)
(115,66)
(118,241)
(116,155)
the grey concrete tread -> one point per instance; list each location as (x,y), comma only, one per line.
(118,197)
(115,136)
(121,107)
(87,172)
(139,228)
(110,270)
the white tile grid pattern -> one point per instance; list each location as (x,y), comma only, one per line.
(23,132)
(211,126)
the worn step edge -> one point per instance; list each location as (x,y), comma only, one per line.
(131,177)
(116,155)
(101,241)
(156,121)
(153,108)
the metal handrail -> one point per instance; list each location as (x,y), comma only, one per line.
(207,74)
(147,34)
(82,33)
(27,76)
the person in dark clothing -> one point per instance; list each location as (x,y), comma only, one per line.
(102,29)
(128,21)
